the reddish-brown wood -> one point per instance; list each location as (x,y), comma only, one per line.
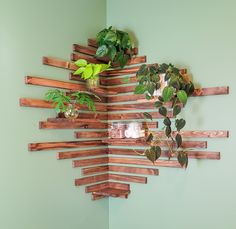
(74,120)
(123,186)
(54,83)
(94,170)
(112,192)
(191,154)
(64,145)
(139,161)
(77,56)
(96,187)
(72,125)
(97,197)
(126,169)
(81,153)
(122,89)
(119,72)
(90,134)
(83,49)
(211,91)
(118,81)
(99,116)
(128,178)
(39,103)
(91,161)
(92,179)
(55,62)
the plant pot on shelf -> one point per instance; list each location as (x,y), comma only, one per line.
(93,82)
(71,112)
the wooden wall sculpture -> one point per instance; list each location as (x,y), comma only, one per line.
(107,168)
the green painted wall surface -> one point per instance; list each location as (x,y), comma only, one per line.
(198,35)
(36,190)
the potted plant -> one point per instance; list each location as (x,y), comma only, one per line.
(90,72)
(114,44)
(173,97)
(64,103)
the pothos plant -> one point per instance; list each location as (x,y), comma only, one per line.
(115,44)
(173,97)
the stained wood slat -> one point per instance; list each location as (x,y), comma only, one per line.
(123,186)
(211,91)
(59,63)
(119,72)
(91,161)
(142,142)
(108,184)
(76,56)
(54,83)
(118,81)
(99,116)
(138,161)
(111,192)
(191,154)
(94,170)
(83,49)
(72,125)
(91,134)
(97,197)
(74,120)
(81,153)
(91,179)
(39,103)
(64,145)
(128,178)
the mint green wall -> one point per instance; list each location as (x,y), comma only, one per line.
(36,190)
(199,35)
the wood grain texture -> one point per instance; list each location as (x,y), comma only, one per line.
(77,56)
(139,161)
(64,145)
(74,120)
(96,187)
(112,192)
(81,153)
(91,179)
(72,125)
(128,178)
(90,134)
(211,91)
(118,81)
(91,161)
(123,186)
(33,80)
(59,63)
(39,103)
(94,170)
(84,49)
(119,72)
(136,170)
(99,116)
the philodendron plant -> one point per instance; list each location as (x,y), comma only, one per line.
(114,44)
(169,100)
(61,100)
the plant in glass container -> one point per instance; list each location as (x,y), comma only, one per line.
(65,103)
(172,97)
(114,44)
(90,72)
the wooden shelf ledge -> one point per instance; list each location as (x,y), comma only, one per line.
(111,192)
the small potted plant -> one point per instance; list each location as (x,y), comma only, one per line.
(90,72)
(116,45)
(64,103)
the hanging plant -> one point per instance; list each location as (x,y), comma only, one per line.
(170,90)
(90,72)
(115,44)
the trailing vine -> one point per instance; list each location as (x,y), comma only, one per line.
(170,89)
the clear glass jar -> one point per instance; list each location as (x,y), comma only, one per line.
(71,112)
(117,130)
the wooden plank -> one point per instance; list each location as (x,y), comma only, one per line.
(94,170)
(191,154)
(77,56)
(112,192)
(96,187)
(142,142)
(59,63)
(123,186)
(99,116)
(64,145)
(118,81)
(139,161)
(91,179)
(128,169)
(122,89)
(119,72)
(73,120)
(72,125)
(83,49)
(131,107)
(90,134)
(211,91)
(54,83)
(40,103)
(91,161)
(97,197)
(128,178)
(81,153)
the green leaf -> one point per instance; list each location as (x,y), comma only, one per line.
(102,51)
(168,131)
(161,98)
(153,153)
(182,96)
(140,89)
(151,88)
(123,60)
(180,123)
(183,159)
(158,104)
(143,70)
(88,72)
(167,76)
(163,111)
(167,121)
(178,139)
(148,97)
(147,115)
(96,69)
(112,52)
(167,93)
(149,138)
(81,63)
(79,71)
(110,36)
(176,110)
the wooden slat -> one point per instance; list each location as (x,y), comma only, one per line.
(39,103)
(142,142)
(99,116)
(123,186)
(90,134)
(59,63)
(88,162)
(97,197)
(94,170)
(191,154)
(127,169)
(211,91)
(83,49)
(118,81)
(64,145)
(138,161)
(74,120)
(96,187)
(92,179)
(122,89)
(119,72)
(112,192)
(72,125)
(81,153)
(76,56)
(131,107)
(54,83)
(128,178)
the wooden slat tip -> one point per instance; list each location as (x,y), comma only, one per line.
(227,134)
(45,60)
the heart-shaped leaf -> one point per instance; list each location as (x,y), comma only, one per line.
(178,139)
(149,138)
(158,104)
(176,110)
(167,93)
(168,131)
(147,115)
(102,51)
(81,63)
(140,89)
(179,124)
(167,121)
(183,159)
(182,96)
(163,111)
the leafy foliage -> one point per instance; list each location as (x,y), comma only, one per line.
(115,44)
(61,100)
(169,99)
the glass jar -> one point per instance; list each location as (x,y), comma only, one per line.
(117,130)
(71,112)
(93,82)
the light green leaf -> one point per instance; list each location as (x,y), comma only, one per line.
(79,71)
(182,96)
(140,89)
(167,93)
(96,69)
(87,72)
(81,63)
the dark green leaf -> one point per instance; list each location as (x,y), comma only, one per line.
(161,98)
(140,89)
(102,51)
(151,155)
(180,123)
(167,76)
(151,88)
(157,150)
(110,36)
(167,93)
(148,97)
(147,115)
(176,110)
(149,137)
(163,111)
(158,104)
(142,70)
(182,96)
(167,121)
(112,52)
(168,131)
(183,159)
(178,139)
